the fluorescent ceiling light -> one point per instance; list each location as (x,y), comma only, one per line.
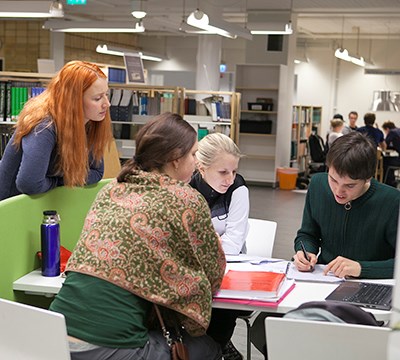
(94,26)
(112,50)
(214,25)
(288,31)
(25,9)
(343,54)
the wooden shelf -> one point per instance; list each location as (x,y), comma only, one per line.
(260,157)
(258,112)
(258,135)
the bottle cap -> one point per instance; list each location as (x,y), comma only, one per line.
(50,212)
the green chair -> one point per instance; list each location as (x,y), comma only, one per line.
(20,219)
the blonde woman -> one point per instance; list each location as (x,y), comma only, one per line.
(61,135)
(225,190)
(228,198)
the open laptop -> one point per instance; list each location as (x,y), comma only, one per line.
(370,295)
(31,333)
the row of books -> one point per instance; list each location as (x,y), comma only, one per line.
(126,102)
(306,115)
(14,95)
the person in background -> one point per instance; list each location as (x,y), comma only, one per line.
(228,198)
(351,126)
(61,135)
(349,218)
(335,117)
(337,126)
(147,239)
(392,140)
(374,133)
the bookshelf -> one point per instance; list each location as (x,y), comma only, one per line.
(142,102)
(263,114)
(305,120)
(212,111)
(15,89)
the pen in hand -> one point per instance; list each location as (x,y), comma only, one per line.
(305,254)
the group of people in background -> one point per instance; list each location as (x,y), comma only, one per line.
(173,213)
(386,140)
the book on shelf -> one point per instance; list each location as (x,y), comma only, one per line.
(125,106)
(116,96)
(251,284)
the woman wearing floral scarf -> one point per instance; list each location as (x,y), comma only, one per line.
(148,238)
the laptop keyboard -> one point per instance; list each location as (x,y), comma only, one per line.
(371,294)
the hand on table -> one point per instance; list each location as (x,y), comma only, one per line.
(302,264)
(343,267)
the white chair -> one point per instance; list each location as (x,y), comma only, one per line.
(316,340)
(259,242)
(28,332)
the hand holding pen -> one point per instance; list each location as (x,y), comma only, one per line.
(303,260)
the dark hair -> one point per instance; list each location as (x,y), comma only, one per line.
(353,113)
(353,155)
(165,138)
(338,116)
(369,119)
(388,125)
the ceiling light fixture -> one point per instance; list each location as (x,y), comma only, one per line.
(214,25)
(24,9)
(343,54)
(138,11)
(112,50)
(288,31)
(56,9)
(94,26)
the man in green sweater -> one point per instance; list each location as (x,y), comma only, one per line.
(349,218)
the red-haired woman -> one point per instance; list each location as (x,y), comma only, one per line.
(60,135)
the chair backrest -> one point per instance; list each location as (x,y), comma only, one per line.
(316,340)
(379,166)
(260,238)
(20,218)
(112,164)
(27,332)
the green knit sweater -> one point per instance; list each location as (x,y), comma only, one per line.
(365,233)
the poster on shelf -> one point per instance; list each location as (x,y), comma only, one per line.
(134,68)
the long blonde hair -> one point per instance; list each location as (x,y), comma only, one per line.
(62,103)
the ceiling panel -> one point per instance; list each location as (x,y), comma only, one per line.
(316,18)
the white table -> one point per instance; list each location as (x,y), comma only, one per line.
(35,283)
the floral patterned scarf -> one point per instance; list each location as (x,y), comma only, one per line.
(153,236)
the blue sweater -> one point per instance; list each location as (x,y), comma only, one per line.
(31,168)
(366,233)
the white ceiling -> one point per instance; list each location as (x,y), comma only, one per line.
(316,18)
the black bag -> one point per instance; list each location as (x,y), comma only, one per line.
(332,311)
(317,148)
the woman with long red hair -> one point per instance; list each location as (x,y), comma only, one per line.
(61,135)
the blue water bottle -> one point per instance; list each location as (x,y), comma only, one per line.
(50,241)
